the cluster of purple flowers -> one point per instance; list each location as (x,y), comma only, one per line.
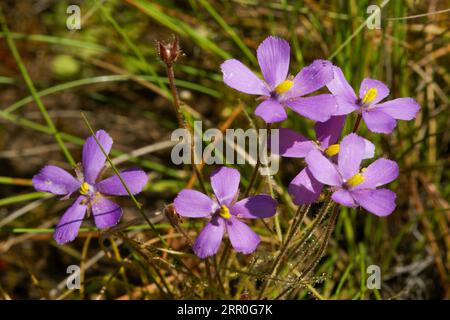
(329,162)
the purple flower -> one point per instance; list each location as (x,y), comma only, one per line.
(351,186)
(304,188)
(91,193)
(379,117)
(225,213)
(277,90)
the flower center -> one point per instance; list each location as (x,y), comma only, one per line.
(224,212)
(284,86)
(332,150)
(85,187)
(370,95)
(355,180)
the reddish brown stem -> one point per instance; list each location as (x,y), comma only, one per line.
(357,122)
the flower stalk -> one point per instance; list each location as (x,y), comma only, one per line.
(169,54)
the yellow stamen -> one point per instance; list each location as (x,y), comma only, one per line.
(355,180)
(224,212)
(370,95)
(284,86)
(332,150)
(84,188)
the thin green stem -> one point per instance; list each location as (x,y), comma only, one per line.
(108,78)
(309,231)
(225,254)
(277,217)
(136,203)
(24,197)
(298,219)
(179,27)
(234,36)
(357,31)
(314,291)
(252,178)
(319,253)
(218,276)
(182,123)
(324,244)
(82,229)
(132,46)
(208,274)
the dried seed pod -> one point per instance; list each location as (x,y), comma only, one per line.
(169,52)
(175,221)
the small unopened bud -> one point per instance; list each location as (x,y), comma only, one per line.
(172,216)
(175,220)
(169,52)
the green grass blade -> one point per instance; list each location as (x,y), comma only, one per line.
(133,47)
(30,85)
(178,27)
(24,197)
(58,41)
(107,78)
(247,52)
(15,181)
(78,141)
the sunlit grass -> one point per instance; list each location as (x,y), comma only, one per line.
(117,56)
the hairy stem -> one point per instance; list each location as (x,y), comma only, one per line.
(311,229)
(182,123)
(176,99)
(298,219)
(318,255)
(252,178)
(324,244)
(256,168)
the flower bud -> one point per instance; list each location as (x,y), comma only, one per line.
(169,52)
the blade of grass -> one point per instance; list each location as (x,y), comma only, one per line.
(6,80)
(139,227)
(342,280)
(76,140)
(226,27)
(58,41)
(178,26)
(133,47)
(24,197)
(15,181)
(357,31)
(107,78)
(31,87)
(99,48)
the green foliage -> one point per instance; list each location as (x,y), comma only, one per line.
(109,69)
